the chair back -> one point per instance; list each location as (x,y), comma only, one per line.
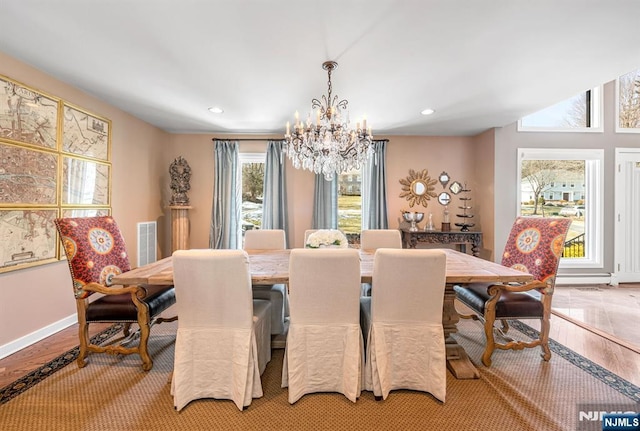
(265,239)
(95,250)
(409,285)
(535,245)
(213,288)
(324,286)
(373,239)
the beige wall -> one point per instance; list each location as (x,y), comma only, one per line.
(454,155)
(34,298)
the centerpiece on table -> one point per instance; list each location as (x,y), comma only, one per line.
(327,238)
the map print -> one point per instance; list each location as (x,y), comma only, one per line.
(27,116)
(85,212)
(27,236)
(84,182)
(85,135)
(27,176)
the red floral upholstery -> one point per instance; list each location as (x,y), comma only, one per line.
(535,246)
(95,250)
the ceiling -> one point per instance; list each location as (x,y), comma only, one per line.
(479,63)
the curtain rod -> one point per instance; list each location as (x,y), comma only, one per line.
(264,139)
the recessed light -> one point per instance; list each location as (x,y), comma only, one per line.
(216,110)
(427,111)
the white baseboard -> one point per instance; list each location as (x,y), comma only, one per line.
(584,279)
(34,337)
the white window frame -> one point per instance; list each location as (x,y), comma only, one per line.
(596,118)
(594,211)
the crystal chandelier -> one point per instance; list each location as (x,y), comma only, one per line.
(329,145)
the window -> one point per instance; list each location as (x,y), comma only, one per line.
(251,183)
(350,202)
(538,169)
(581,113)
(628,102)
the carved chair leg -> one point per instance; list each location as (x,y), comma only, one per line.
(489,320)
(83,333)
(147,362)
(126,330)
(545,325)
(505,326)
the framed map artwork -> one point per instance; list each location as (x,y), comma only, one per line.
(85,134)
(85,182)
(27,176)
(27,116)
(28,237)
(85,212)
(55,159)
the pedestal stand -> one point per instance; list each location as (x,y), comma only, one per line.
(179,227)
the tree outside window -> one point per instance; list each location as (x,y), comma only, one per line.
(628,106)
(251,182)
(350,202)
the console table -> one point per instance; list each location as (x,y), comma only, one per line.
(411,239)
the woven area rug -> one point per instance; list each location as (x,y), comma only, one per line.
(519,392)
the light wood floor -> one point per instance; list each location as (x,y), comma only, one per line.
(615,357)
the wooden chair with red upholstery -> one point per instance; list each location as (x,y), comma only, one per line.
(535,246)
(96,252)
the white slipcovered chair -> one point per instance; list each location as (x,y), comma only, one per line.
(270,239)
(223,342)
(402,322)
(373,239)
(324,351)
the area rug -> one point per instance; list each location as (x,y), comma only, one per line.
(519,392)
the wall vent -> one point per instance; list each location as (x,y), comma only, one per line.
(147,242)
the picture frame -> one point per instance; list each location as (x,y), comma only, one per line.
(85,182)
(29,116)
(29,237)
(29,176)
(85,134)
(85,212)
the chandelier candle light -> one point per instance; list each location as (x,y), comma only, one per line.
(329,146)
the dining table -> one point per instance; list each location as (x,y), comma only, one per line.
(272,267)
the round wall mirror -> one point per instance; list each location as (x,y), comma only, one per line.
(444,198)
(418,187)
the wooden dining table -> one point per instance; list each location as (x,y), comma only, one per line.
(272,267)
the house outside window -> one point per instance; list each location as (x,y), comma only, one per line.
(350,202)
(538,169)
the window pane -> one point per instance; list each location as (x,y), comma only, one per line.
(629,100)
(350,202)
(568,114)
(562,181)
(252,182)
